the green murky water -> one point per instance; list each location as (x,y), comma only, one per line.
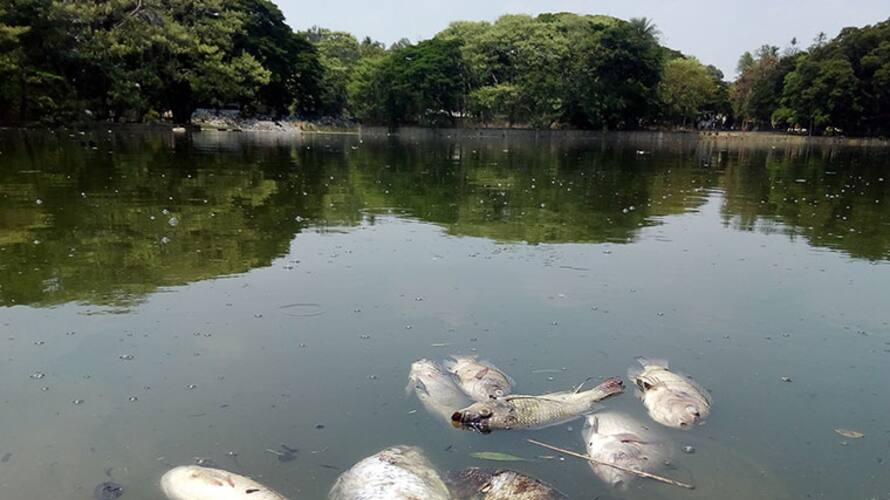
(165,299)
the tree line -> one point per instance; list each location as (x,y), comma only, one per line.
(144,60)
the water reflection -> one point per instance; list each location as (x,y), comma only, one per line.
(106,218)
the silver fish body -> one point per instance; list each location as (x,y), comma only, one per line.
(618,439)
(436,389)
(533,412)
(499,484)
(481,380)
(672,399)
(191,482)
(397,473)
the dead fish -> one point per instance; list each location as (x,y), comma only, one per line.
(672,399)
(193,482)
(618,439)
(533,412)
(499,484)
(436,389)
(397,473)
(481,380)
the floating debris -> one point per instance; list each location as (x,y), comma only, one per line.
(108,491)
(497,456)
(287,454)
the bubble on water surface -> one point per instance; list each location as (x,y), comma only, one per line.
(38,375)
(173,222)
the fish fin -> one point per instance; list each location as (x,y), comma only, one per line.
(592,424)
(450,363)
(417,385)
(653,362)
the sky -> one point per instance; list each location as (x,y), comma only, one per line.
(716,32)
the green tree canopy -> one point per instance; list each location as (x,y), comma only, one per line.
(686,88)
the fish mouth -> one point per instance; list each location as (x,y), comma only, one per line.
(611,387)
(460,420)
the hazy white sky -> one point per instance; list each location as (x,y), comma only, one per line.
(717,31)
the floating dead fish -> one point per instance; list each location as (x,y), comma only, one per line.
(499,484)
(436,389)
(397,473)
(618,439)
(533,412)
(481,380)
(192,482)
(847,433)
(672,399)
(496,456)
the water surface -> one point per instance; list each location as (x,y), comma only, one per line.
(166,299)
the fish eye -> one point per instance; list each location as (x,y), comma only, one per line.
(485,412)
(498,392)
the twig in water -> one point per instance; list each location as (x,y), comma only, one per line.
(607,464)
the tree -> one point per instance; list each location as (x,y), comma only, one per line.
(11,62)
(686,87)
(842,83)
(645,27)
(338,53)
(757,90)
(617,77)
(419,84)
(295,72)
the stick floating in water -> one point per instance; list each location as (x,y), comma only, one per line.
(607,464)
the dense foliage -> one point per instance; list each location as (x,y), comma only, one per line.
(140,60)
(131,60)
(837,86)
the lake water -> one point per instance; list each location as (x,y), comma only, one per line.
(165,299)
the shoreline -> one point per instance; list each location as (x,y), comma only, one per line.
(300,128)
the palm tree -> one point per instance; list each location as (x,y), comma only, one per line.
(645,26)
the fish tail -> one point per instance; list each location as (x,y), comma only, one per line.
(652,362)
